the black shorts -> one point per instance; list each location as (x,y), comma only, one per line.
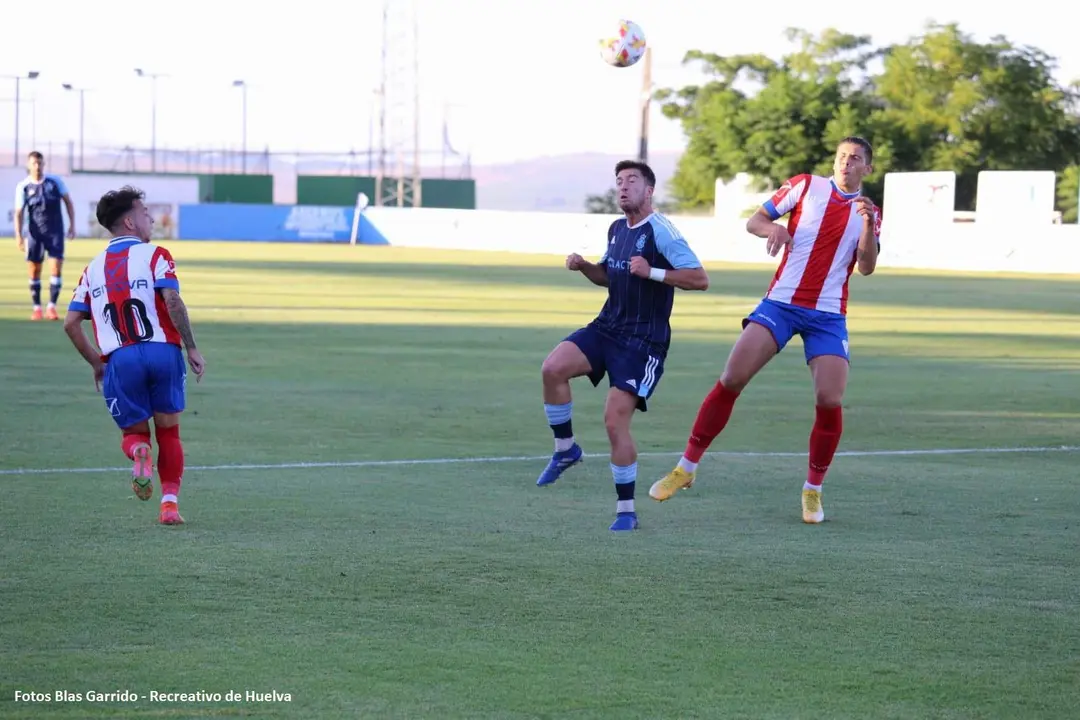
(630,369)
(37,248)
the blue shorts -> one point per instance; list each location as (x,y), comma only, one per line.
(141,380)
(37,247)
(630,369)
(822,333)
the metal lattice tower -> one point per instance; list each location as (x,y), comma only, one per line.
(397,178)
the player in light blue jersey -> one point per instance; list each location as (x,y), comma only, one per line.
(37,199)
(646,259)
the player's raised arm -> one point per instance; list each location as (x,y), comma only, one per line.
(762,223)
(687,272)
(870,237)
(595,272)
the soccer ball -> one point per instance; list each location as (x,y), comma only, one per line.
(625,48)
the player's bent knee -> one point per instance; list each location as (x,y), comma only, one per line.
(753,350)
(566,361)
(552,372)
(751,354)
(734,379)
(829,394)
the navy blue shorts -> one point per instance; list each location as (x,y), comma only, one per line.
(36,248)
(141,380)
(822,333)
(635,371)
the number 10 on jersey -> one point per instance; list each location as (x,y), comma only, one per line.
(130,321)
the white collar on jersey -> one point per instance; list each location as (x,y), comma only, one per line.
(643,221)
(124,238)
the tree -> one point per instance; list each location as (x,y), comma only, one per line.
(804,102)
(606,204)
(950,103)
(941,101)
(1068,193)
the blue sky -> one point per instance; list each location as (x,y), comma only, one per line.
(520,79)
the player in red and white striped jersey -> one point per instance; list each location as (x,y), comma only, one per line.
(131,295)
(832,228)
(119,291)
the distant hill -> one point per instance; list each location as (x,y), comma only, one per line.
(558,183)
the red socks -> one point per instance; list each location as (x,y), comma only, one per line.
(129,441)
(711,419)
(170,463)
(824,439)
(716,410)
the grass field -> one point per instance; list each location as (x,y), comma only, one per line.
(945,585)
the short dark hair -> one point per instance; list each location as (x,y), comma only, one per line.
(115,204)
(35,155)
(861,142)
(645,170)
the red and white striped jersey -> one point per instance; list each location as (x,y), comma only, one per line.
(118,289)
(825,229)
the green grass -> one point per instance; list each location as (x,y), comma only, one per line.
(943,586)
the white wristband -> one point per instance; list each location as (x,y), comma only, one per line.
(657,274)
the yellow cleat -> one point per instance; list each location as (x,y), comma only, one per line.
(811,506)
(678,479)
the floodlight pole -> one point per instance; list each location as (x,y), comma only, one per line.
(18,81)
(243,158)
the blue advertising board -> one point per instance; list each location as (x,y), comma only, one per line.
(274,223)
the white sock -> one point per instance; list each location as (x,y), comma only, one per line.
(808,486)
(562,444)
(168,498)
(687,465)
(622,506)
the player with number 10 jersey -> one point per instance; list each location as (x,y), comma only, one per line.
(131,295)
(119,288)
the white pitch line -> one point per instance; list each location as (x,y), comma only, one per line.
(538,458)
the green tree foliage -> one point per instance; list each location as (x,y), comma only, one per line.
(605,204)
(941,101)
(608,204)
(1068,193)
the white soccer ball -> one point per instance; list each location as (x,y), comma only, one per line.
(624,48)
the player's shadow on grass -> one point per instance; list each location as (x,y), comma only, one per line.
(703,353)
(1046,296)
(43,347)
(312,391)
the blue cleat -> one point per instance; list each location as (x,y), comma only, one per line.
(559,463)
(625,521)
